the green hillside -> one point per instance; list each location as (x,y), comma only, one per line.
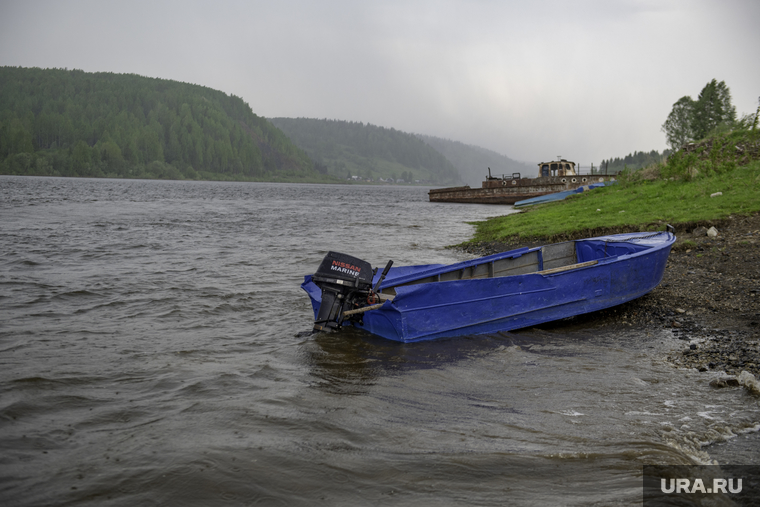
(57,122)
(473,161)
(706,181)
(345,149)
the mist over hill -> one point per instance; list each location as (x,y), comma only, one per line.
(59,122)
(473,162)
(355,149)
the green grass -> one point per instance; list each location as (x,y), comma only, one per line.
(678,193)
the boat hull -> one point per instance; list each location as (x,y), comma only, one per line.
(627,269)
(559,196)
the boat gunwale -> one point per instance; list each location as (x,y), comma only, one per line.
(519,252)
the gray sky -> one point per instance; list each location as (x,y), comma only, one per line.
(586,80)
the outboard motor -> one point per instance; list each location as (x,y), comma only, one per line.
(346,284)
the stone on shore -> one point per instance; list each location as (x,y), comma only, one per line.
(724,382)
(749,382)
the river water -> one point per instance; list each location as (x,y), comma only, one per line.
(155,350)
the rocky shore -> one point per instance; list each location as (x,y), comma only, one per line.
(709,297)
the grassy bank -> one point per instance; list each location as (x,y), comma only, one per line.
(680,192)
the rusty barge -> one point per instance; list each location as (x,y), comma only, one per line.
(556,176)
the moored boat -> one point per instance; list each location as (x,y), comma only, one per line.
(509,290)
(557,176)
(560,196)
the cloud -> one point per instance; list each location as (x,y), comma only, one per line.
(588,79)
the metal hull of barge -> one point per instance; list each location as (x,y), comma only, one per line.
(509,191)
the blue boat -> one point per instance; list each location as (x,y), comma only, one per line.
(559,196)
(500,292)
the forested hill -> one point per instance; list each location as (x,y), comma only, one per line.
(348,149)
(473,161)
(57,122)
(633,161)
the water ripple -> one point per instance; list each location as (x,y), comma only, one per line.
(155,348)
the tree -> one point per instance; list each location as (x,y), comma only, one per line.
(690,120)
(81,158)
(677,127)
(712,109)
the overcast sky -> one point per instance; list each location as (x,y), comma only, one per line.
(532,80)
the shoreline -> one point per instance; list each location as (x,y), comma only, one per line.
(709,297)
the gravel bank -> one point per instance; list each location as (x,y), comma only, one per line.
(710,297)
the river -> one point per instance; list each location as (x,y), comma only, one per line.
(155,350)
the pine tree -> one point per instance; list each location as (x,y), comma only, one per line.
(712,109)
